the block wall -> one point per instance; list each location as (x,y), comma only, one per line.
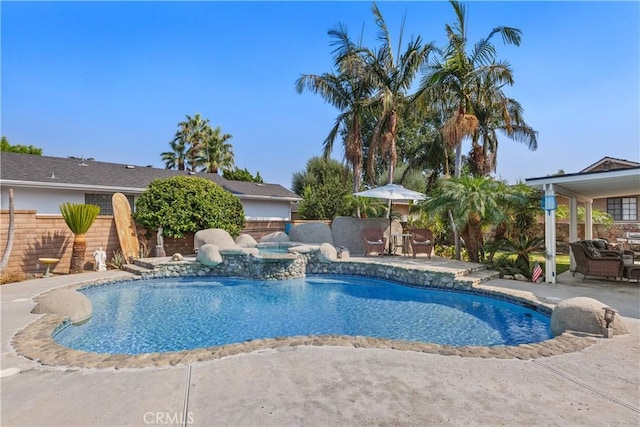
(47,236)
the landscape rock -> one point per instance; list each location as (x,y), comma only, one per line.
(520,277)
(311,232)
(303,249)
(275,237)
(65,302)
(346,231)
(239,250)
(215,236)
(583,314)
(209,255)
(327,253)
(246,241)
(177,257)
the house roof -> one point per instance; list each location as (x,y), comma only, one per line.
(28,170)
(609,163)
(587,186)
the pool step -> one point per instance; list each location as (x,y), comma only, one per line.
(136,269)
(480,275)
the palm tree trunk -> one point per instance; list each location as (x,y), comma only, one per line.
(77,254)
(9,246)
(458,161)
(473,243)
(357,172)
(478,158)
(500,231)
(374,146)
(393,155)
(456,236)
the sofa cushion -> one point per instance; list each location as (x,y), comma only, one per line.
(593,252)
(599,244)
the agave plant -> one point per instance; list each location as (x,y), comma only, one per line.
(523,247)
(79,219)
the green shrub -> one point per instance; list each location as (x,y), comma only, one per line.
(446,251)
(186,204)
(118,260)
(508,265)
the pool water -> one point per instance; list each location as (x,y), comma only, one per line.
(177,314)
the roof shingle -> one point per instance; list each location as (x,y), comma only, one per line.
(29,168)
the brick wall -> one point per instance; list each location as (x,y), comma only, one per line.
(47,236)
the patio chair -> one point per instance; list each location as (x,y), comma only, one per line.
(594,264)
(421,241)
(605,249)
(374,241)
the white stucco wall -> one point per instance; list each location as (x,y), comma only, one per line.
(266,210)
(48,202)
(43,201)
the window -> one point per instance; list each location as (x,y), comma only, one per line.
(623,208)
(104,202)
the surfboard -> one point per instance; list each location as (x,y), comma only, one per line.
(125,227)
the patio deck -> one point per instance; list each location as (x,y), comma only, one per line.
(334,385)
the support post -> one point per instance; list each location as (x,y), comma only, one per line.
(588,220)
(573,227)
(550,238)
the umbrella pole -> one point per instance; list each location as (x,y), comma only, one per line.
(390,220)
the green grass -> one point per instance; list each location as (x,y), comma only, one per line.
(562,261)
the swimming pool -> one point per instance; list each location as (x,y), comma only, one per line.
(177,314)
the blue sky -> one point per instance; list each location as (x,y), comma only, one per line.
(111,80)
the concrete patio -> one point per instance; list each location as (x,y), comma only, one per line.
(334,385)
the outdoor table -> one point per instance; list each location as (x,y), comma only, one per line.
(632,272)
(400,241)
(48,262)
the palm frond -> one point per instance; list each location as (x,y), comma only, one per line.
(79,217)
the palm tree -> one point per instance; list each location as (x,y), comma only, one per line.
(473,201)
(175,159)
(349,91)
(79,219)
(392,77)
(494,112)
(192,133)
(452,81)
(215,152)
(421,147)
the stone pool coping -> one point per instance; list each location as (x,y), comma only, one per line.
(35,342)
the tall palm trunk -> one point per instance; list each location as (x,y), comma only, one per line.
(391,135)
(78,253)
(7,250)
(456,236)
(374,146)
(474,240)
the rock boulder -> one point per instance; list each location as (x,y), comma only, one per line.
(327,253)
(275,237)
(66,302)
(209,255)
(346,231)
(583,314)
(246,241)
(215,236)
(311,233)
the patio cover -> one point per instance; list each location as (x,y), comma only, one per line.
(581,187)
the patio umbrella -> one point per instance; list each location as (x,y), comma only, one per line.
(391,192)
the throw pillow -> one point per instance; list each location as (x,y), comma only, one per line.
(593,252)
